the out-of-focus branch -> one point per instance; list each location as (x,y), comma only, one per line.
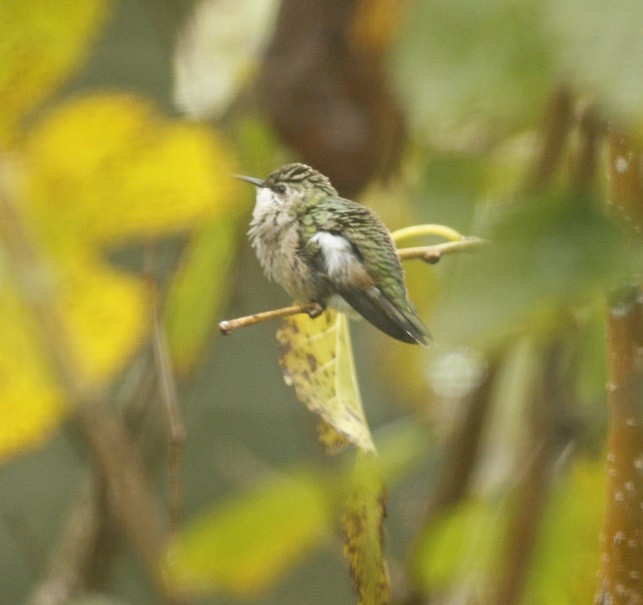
(67,571)
(625,179)
(553,393)
(174,416)
(168,391)
(549,425)
(464,446)
(128,488)
(129,491)
(621,572)
(80,561)
(457,469)
(591,131)
(555,130)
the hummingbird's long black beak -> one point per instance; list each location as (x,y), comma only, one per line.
(249,179)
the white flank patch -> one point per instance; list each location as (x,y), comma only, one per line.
(337,252)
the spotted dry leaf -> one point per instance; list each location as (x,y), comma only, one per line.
(317,359)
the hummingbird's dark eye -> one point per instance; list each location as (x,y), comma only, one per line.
(281,189)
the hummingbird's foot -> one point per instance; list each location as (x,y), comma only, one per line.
(317,310)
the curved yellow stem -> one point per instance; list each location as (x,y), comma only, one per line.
(417,230)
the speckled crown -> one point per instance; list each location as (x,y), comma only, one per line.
(291,174)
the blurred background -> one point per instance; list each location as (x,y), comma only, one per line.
(127,420)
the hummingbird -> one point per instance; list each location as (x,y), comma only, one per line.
(324,249)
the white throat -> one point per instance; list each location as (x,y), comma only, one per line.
(265,198)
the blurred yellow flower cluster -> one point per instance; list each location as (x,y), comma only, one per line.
(88,175)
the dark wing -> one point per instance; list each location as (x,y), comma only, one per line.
(372,280)
(376,308)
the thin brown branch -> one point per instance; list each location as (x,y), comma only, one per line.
(230,325)
(168,391)
(430,254)
(175,420)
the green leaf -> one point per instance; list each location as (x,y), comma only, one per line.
(317,359)
(451,183)
(197,293)
(600,47)
(462,547)
(478,64)
(567,553)
(545,253)
(363,522)
(246,545)
(249,542)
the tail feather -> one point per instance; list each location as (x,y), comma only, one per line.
(373,306)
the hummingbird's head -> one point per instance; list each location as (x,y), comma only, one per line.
(289,182)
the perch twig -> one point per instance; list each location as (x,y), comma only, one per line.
(430,254)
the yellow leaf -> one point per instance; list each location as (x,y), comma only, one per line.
(317,359)
(363,523)
(40,44)
(30,404)
(79,191)
(106,313)
(105,169)
(244,546)
(105,318)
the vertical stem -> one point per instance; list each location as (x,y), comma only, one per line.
(553,135)
(591,130)
(621,572)
(460,459)
(622,538)
(175,420)
(548,420)
(625,180)
(169,397)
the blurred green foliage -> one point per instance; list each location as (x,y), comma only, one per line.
(548,254)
